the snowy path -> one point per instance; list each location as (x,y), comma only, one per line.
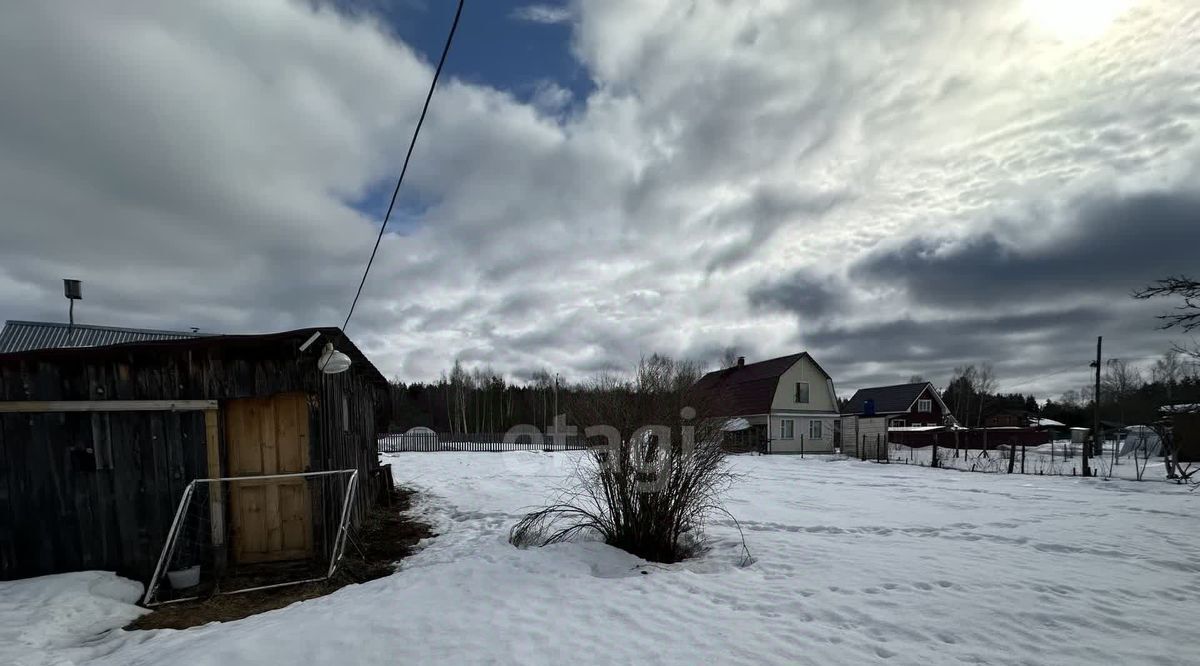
(856,563)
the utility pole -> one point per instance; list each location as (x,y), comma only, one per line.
(1096,410)
(556,397)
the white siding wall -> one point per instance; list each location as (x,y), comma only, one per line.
(802,427)
(820,395)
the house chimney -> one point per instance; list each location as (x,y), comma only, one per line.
(741,361)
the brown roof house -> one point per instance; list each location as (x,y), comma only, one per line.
(781,405)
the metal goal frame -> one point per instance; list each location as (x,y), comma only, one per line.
(168,550)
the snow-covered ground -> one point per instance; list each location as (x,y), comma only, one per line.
(48,619)
(855,563)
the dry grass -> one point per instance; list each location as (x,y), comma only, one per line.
(385,537)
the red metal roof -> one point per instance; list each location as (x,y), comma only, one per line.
(748,389)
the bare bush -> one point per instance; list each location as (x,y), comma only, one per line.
(655,473)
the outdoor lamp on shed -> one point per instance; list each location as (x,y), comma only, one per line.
(333,361)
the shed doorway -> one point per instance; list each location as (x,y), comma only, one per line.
(271,518)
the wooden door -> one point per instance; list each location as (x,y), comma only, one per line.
(272,518)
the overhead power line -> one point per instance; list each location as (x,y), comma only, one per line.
(437,73)
(407,157)
(1079,365)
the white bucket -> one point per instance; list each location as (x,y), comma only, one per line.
(181,579)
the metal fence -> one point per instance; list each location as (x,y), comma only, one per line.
(490,442)
(867,447)
(1058,458)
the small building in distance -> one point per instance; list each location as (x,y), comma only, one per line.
(1016,418)
(872,414)
(1184,421)
(787,404)
(904,405)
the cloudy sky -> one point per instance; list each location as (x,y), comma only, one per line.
(897,187)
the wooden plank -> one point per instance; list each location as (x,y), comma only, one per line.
(293,505)
(159,511)
(34,406)
(288,504)
(240,442)
(216,499)
(126,480)
(267,428)
(81,477)
(300,527)
(245,457)
(291,414)
(251,542)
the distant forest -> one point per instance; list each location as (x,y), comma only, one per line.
(482,401)
(476,401)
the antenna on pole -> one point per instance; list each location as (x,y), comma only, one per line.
(73,290)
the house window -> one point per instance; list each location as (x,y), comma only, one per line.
(898,423)
(815,429)
(802,392)
(925,405)
(787,429)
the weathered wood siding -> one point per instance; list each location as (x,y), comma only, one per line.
(1187,437)
(864,437)
(98,491)
(73,498)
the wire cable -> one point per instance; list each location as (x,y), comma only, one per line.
(1074,366)
(404,169)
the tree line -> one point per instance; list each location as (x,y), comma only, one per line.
(1128,394)
(477,400)
(480,400)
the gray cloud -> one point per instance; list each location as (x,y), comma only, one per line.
(1043,352)
(800,293)
(193,174)
(1110,246)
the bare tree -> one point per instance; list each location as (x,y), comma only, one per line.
(1187,315)
(916,379)
(963,387)
(1141,449)
(1121,378)
(985,385)
(656,475)
(1168,370)
(1120,383)
(459,381)
(729,357)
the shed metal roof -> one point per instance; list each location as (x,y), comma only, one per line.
(252,344)
(18,336)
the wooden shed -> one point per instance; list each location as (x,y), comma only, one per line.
(98,443)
